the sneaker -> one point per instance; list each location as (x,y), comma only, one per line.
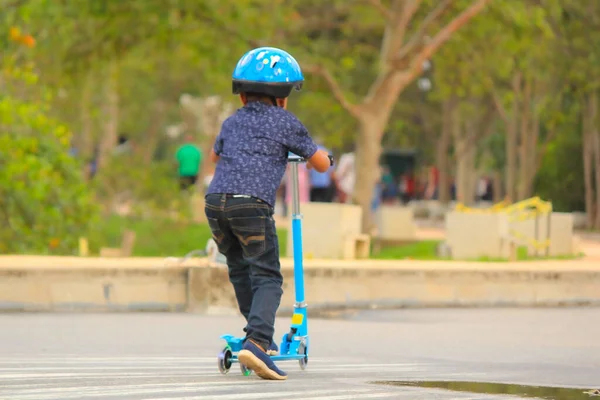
(256,359)
(273,350)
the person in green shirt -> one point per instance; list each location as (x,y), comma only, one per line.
(189,157)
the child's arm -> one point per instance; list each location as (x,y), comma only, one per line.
(299,142)
(214,157)
(215,152)
(319,161)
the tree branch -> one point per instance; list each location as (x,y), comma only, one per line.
(417,37)
(220,25)
(13,4)
(387,14)
(484,129)
(395,28)
(403,75)
(444,35)
(500,107)
(408,12)
(335,88)
(550,136)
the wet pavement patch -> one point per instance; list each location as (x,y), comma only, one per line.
(539,392)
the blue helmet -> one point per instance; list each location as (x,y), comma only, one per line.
(267,70)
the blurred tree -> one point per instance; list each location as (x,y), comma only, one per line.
(576,26)
(119,68)
(45,205)
(404,46)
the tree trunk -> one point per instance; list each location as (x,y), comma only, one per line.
(465,161)
(152,137)
(537,154)
(442,149)
(86,137)
(595,135)
(368,152)
(205,115)
(497,186)
(526,152)
(213,112)
(400,63)
(111,115)
(511,140)
(588,155)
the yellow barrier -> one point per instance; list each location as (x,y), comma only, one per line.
(524,210)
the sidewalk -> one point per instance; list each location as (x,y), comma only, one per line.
(591,261)
(59,262)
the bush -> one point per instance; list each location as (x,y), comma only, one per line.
(45,205)
(152,190)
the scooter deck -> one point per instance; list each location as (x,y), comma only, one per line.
(291,348)
(279,357)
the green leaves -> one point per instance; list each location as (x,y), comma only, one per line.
(44,203)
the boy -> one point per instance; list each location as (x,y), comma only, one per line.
(251,155)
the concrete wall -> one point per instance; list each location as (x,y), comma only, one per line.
(470,236)
(98,289)
(327,284)
(396,224)
(561,233)
(325,229)
(474,235)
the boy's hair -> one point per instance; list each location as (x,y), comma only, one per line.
(264,98)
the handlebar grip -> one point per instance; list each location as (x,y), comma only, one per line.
(295,158)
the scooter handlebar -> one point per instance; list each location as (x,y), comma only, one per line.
(295,158)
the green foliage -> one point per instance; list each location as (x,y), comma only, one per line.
(158,237)
(560,179)
(423,250)
(167,48)
(152,190)
(427,250)
(45,205)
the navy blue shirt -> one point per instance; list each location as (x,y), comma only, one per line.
(253,146)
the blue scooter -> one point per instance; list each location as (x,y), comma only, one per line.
(295,343)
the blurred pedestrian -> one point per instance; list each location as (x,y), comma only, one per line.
(389,194)
(321,184)
(189,157)
(345,176)
(303,185)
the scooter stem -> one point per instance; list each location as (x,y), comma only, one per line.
(300,305)
(297,240)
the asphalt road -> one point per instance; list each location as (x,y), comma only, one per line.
(173,356)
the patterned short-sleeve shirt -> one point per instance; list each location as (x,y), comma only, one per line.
(253,146)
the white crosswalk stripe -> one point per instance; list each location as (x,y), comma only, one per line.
(68,377)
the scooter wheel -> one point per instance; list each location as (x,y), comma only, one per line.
(304,360)
(224,360)
(245,370)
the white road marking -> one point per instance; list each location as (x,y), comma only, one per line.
(351,396)
(279,394)
(70,377)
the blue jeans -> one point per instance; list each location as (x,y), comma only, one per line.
(244,230)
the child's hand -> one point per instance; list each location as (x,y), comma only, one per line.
(320,161)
